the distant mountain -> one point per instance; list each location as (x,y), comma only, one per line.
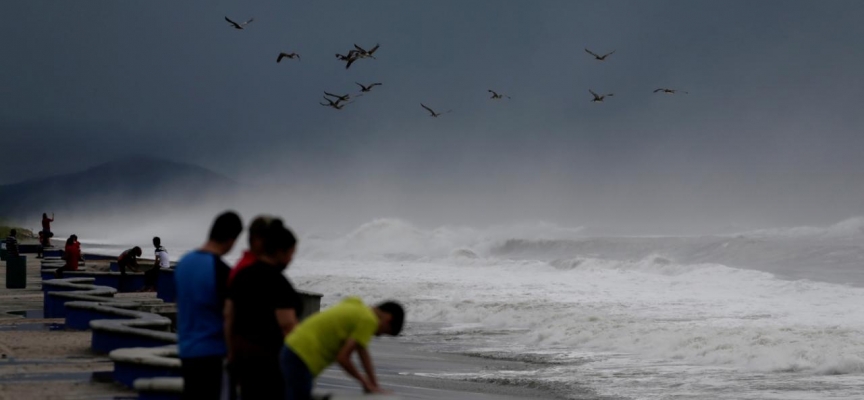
(130,184)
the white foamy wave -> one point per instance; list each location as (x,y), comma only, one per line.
(654,310)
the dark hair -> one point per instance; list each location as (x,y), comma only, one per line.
(397,315)
(71,240)
(277,237)
(74,237)
(136,250)
(13,232)
(156,241)
(258,227)
(226,227)
(44,215)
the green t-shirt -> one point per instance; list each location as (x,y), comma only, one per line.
(318,339)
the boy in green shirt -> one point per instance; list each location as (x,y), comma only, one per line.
(333,335)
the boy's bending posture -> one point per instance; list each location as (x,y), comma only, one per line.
(333,335)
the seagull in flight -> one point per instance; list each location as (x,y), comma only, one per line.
(239,26)
(669,91)
(366,89)
(496,96)
(291,56)
(339,98)
(598,97)
(599,57)
(434,114)
(334,104)
(363,53)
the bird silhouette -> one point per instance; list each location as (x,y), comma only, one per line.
(239,26)
(669,91)
(496,96)
(599,57)
(598,97)
(284,55)
(336,96)
(433,113)
(334,104)
(365,89)
(363,53)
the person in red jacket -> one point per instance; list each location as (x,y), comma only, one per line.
(46,229)
(72,255)
(257,231)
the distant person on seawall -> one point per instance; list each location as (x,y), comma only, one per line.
(129,260)
(72,255)
(46,229)
(151,276)
(201,278)
(12,244)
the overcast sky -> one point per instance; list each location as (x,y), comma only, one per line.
(770,134)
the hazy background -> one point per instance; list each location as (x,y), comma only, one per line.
(770,134)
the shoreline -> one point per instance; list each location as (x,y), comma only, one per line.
(40,359)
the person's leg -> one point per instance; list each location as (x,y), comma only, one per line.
(202,378)
(260,378)
(296,376)
(151,277)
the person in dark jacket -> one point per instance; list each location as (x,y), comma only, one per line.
(12,243)
(262,308)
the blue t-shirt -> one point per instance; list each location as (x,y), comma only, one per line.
(201,280)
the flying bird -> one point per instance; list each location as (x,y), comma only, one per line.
(496,96)
(334,104)
(349,59)
(669,91)
(363,53)
(339,98)
(599,57)
(598,97)
(434,114)
(239,26)
(365,89)
(291,56)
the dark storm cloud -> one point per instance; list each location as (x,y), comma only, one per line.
(770,134)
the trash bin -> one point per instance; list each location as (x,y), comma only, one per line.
(16,272)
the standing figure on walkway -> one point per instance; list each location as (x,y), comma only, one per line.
(46,229)
(202,278)
(151,276)
(262,308)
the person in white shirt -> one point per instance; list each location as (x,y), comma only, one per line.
(151,277)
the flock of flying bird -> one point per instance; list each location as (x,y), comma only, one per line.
(339,102)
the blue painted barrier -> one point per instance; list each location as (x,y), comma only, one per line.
(166,288)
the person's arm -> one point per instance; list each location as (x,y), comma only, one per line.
(228,315)
(287,319)
(366,361)
(344,360)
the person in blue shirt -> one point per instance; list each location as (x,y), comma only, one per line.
(201,278)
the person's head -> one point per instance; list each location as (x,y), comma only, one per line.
(391,318)
(257,231)
(44,215)
(13,232)
(41,234)
(224,232)
(71,240)
(278,244)
(157,241)
(136,251)
(74,237)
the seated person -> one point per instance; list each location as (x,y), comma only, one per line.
(334,335)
